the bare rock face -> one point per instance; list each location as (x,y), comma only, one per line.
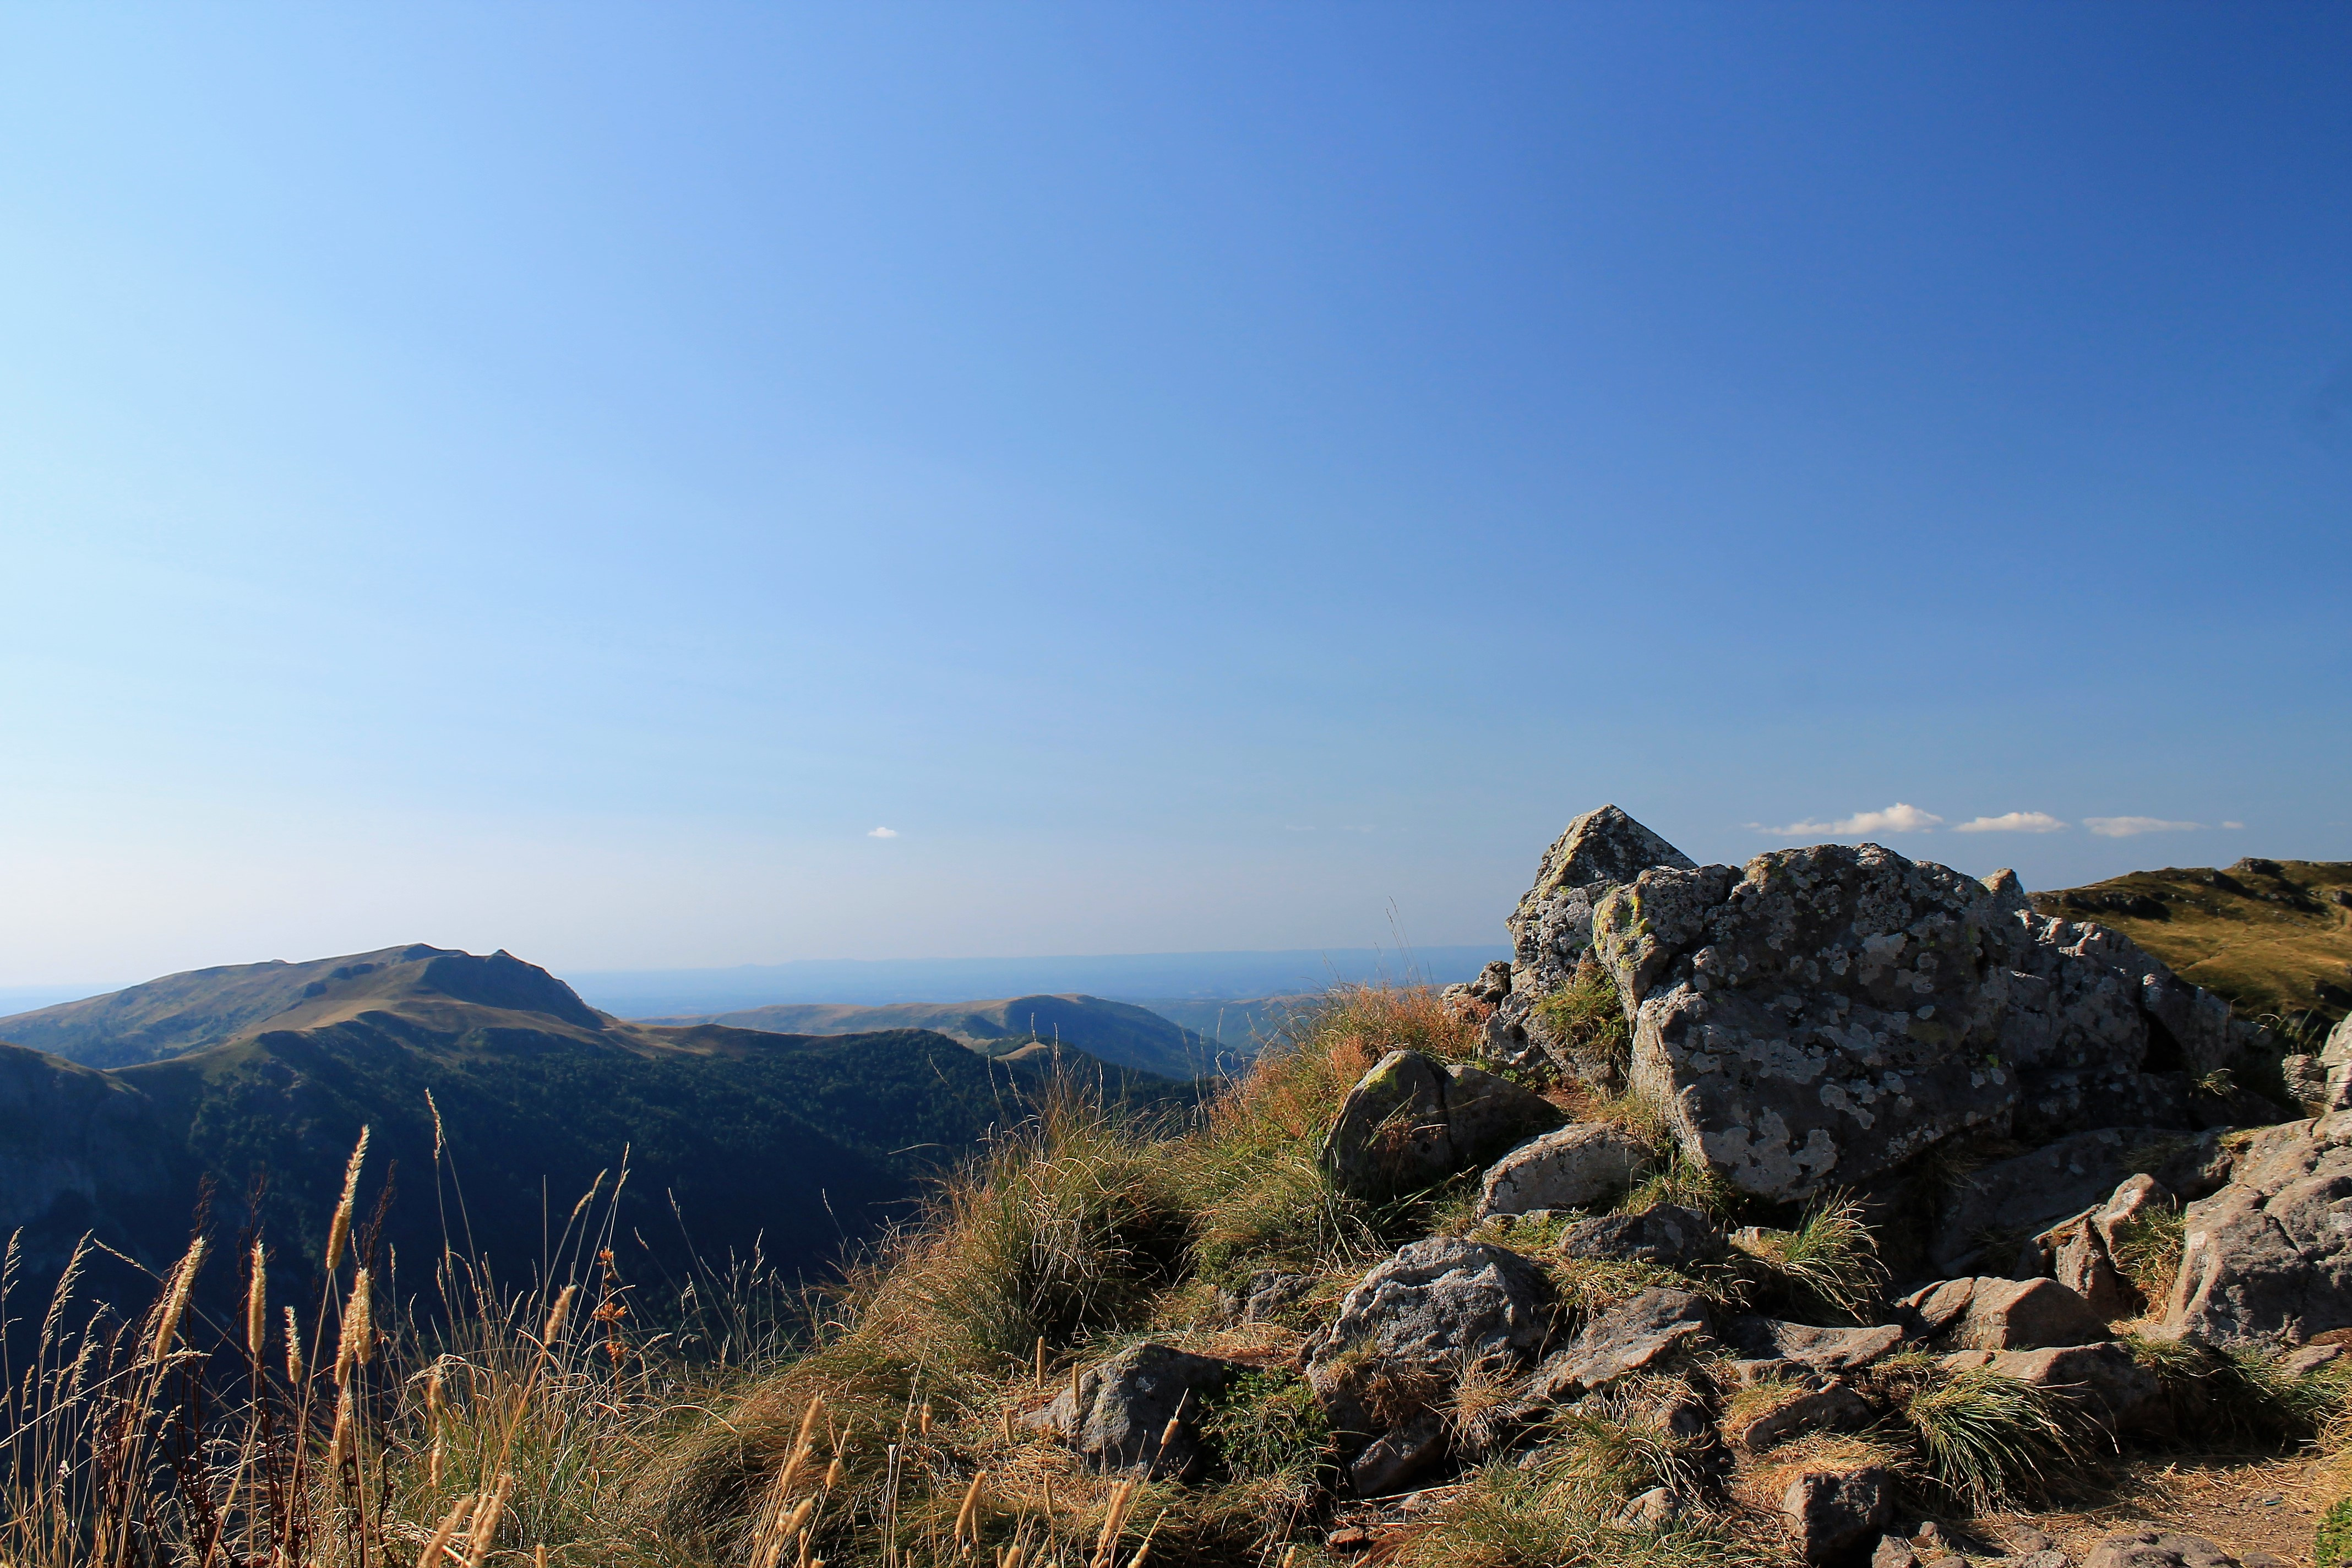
(1552,928)
(1826,1013)
(1988,1314)
(1405,1335)
(1578,1167)
(1117,1417)
(1835,1516)
(2157,1549)
(1412,1121)
(2267,1261)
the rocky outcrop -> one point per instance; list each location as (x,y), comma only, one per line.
(1551,929)
(1581,1165)
(1667,1235)
(1406,1335)
(2032,1193)
(1135,1413)
(1829,1013)
(1988,1314)
(1411,1122)
(1631,1336)
(2267,1261)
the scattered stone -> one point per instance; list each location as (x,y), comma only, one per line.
(2033,1192)
(1990,1314)
(1668,1235)
(1827,1351)
(1578,1167)
(1766,1369)
(2304,1360)
(2050,1558)
(2076,1254)
(1834,1515)
(1411,1122)
(1634,1334)
(2267,1261)
(1406,1334)
(1396,1456)
(1656,1509)
(2157,1549)
(2306,1080)
(1836,1408)
(2124,1396)
(2023,1541)
(1893,1551)
(1349,1538)
(1119,1418)
(1266,1296)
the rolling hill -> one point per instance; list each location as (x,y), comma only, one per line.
(2272,936)
(733,1138)
(1116,1032)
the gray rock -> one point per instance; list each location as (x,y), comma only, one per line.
(1411,1122)
(1396,1456)
(2306,1080)
(1825,1351)
(1657,1509)
(1578,1167)
(1833,1517)
(1406,1334)
(1828,1013)
(1990,1314)
(1265,1296)
(2337,1051)
(2032,1192)
(1122,1409)
(1634,1334)
(1835,1408)
(2023,1541)
(2157,1549)
(2076,1254)
(2304,1360)
(1668,1235)
(2267,1261)
(2122,1394)
(2047,1558)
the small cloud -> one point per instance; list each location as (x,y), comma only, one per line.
(2132,826)
(2234,826)
(2013,822)
(1895,818)
(883,833)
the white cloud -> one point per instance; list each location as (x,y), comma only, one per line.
(883,833)
(2013,822)
(2132,826)
(1895,818)
(2233,826)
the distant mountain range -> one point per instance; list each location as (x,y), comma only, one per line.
(1115,1032)
(250,1083)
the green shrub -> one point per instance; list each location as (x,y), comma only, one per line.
(1269,1423)
(2332,1547)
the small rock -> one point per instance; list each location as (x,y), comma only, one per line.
(2025,1540)
(1656,1509)
(1577,1166)
(1122,1409)
(1835,1515)
(1271,1291)
(1411,1122)
(1767,1369)
(1822,1350)
(1628,1337)
(1349,1538)
(1836,1408)
(2157,1549)
(2304,1360)
(1988,1314)
(1893,1551)
(1669,1235)
(2306,1079)
(2051,1558)
(1398,1456)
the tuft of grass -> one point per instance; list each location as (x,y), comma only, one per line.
(2246,1393)
(2147,1251)
(1828,1265)
(1269,1425)
(1985,1440)
(1589,1021)
(2332,1547)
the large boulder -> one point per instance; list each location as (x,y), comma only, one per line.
(1826,1013)
(2267,1261)
(1411,1122)
(1988,1314)
(1405,1336)
(1135,1413)
(1551,929)
(1581,1165)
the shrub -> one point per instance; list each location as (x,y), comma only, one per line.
(1269,1423)
(2333,1546)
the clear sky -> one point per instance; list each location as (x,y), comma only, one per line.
(1211,476)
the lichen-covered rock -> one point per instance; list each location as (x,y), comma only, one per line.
(1631,1336)
(1826,1350)
(1826,1013)
(1405,1336)
(2033,1192)
(1989,1314)
(2267,1261)
(1667,1235)
(1835,1516)
(2157,1549)
(1117,1416)
(1412,1121)
(1578,1167)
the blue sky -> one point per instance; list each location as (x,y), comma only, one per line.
(560,477)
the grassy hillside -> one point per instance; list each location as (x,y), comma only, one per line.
(2272,936)
(1114,1032)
